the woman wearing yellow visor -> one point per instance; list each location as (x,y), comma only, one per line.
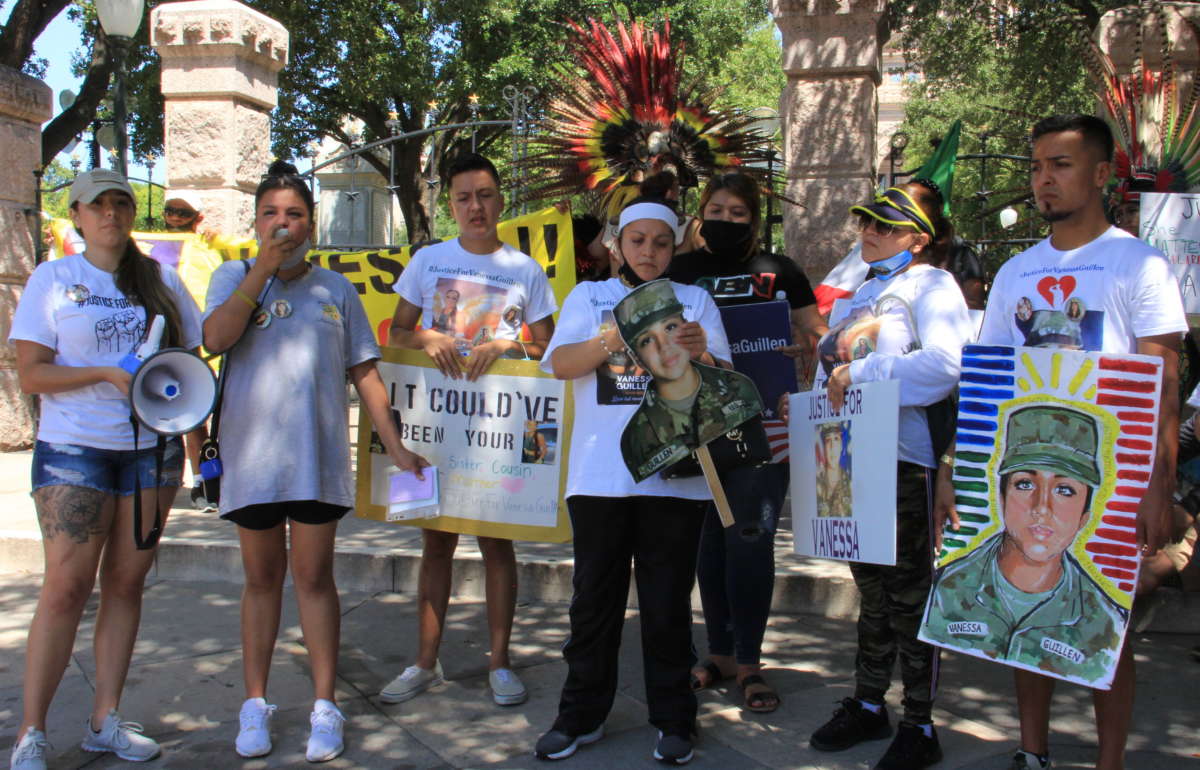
(908,323)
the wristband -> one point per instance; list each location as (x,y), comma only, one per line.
(245,298)
(604,344)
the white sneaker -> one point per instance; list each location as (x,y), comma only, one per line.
(254,734)
(507,689)
(124,739)
(325,740)
(414,681)
(30,751)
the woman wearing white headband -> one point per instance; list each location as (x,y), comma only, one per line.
(655,523)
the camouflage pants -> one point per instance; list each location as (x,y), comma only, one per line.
(893,601)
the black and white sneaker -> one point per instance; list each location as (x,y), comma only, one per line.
(673,748)
(557,744)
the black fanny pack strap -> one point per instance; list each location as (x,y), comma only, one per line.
(151,538)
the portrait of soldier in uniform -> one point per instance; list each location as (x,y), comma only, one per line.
(833,470)
(686,404)
(1021,596)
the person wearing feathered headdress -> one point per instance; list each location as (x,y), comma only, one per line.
(628,116)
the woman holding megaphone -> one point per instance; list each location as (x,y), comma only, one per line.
(292,332)
(78,318)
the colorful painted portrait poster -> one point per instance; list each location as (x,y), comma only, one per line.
(844,499)
(686,405)
(1054,452)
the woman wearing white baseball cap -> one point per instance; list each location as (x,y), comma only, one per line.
(78,317)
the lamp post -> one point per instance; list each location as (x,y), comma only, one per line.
(120,20)
(393,127)
(150,190)
(897,143)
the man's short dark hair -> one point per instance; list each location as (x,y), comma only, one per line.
(471,161)
(1094,131)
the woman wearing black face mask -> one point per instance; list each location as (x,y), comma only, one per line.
(737,599)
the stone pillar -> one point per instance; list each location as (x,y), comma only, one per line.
(220,66)
(352,209)
(831,55)
(24,106)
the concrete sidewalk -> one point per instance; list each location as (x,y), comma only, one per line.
(185,687)
(376,556)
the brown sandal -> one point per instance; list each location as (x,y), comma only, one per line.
(759,701)
(715,676)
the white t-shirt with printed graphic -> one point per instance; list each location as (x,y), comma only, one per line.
(1103,296)
(911,328)
(76,309)
(495,293)
(605,399)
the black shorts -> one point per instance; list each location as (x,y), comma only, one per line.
(271,515)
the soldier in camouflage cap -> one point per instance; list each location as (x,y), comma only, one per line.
(688,404)
(1021,596)
(834,498)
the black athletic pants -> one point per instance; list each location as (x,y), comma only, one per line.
(660,535)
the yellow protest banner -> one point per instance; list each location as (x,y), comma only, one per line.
(499,443)
(545,235)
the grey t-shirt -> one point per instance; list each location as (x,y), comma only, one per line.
(284,428)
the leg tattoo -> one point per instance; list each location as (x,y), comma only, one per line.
(73,511)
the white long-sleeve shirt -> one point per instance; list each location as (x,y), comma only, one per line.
(912,329)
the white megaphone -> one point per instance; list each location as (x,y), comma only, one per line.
(173,390)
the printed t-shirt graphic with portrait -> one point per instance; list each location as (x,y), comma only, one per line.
(476,298)
(1082,299)
(882,318)
(77,310)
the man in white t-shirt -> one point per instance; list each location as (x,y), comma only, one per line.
(472,296)
(1088,286)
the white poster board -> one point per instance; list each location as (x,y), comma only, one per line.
(500,444)
(844,502)
(1170,222)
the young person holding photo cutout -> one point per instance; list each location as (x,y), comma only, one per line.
(77,318)
(655,523)
(464,293)
(285,446)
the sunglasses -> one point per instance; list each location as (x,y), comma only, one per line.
(171,211)
(883,229)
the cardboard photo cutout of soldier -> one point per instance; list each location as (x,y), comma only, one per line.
(686,405)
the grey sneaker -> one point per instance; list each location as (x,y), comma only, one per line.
(507,689)
(124,739)
(30,751)
(414,681)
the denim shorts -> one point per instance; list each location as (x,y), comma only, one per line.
(112,471)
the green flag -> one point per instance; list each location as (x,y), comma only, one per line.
(940,166)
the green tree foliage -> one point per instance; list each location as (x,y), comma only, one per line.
(1000,67)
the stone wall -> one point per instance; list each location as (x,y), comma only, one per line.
(831,55)
(24,106)
(220,66)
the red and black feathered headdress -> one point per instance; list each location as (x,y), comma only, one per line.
(628,116)
(1157,129)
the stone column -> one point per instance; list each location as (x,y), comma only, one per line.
(831,54)
(220,67)
(24,106)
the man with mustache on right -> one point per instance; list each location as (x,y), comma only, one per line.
(1130,303)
